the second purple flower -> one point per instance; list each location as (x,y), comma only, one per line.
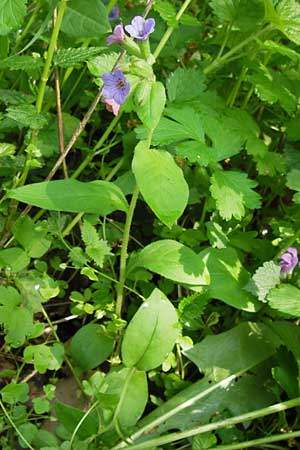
(140,28)
(288,261)
(116,86)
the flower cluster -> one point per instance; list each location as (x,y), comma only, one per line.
(139,29)
(115,90)
(288,261)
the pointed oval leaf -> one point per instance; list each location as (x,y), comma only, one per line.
(161,182)
(151,334)
(98,197)
(175,261)
(150,99)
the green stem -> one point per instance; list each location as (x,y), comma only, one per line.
(170,30)
(172,437)
(28,25)
(81,422)
(50,53)
(220,61)
(257,442)
(22,437)
(123,256)
(110,5)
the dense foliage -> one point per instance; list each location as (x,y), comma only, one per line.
(149,224)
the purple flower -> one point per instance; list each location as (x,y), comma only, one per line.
(114,14)
(140,28)
(115,87)
(118,35)
(288,261)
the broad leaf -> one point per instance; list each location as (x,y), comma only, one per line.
(175,261)
(287,19)
(99,197)
(161,183)
(11,15)
(151,333)
(184,85)
(70,57)
(233,193)
(90,346)
(31,236)
(150,99)
(69,417)
(286,299)
(85,19)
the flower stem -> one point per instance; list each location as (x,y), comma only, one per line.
(50,53)
(257,442)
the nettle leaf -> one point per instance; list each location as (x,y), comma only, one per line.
(85,19)
(264,279)
(184,85)
(27,116)
(12,97)
(99,197)
(242,13)
(90,346)
(286,299)
(161,182)
(228,278)
(12,13)
(175,261)
(29,64)
(135,400)
(287,19)
(70,57)
(44,357)
(151,333)
(166,11)
(16,320)
(96,248)
(150,99)
(233,192)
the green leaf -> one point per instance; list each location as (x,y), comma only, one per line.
(228,278)
(26,116)
(293,180)
(242,347)
(85,19)
(12,13)
(70,57)
(233,193)
(242,14)
(31,236)
(96,248)
(29,64)
(166,11)
(191,309)
(41,405)
(44,357)
(161,183)
(14,259)
(175,261)
(184,85)
(99,197)
(286,299)
(136,397)
(151,333)
(69,417)
(13,393)
(150,99)
(265,278)
(90,346)
(287,19)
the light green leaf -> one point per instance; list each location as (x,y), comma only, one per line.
(287,19)
(166,11)
(293,180)
(286,299)
(29,64)
(31,236)
(14,259)
(151,333)
(228,278)
(27,116)
(85,19)
(244,346)
(41,405)
(136,397)
(13,393)
(175,261)
(70,57)
(150,99)
(90,346)
(161,183)
(99,197)
(233,193)
(69,417)
(184,85)
(11,15)
(242,14)
(265,278)
(44,357)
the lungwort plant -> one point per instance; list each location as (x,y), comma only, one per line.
(149,224)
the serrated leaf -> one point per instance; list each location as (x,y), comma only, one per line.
(85,19)
(233,193)
(243,14)
(151,333)
(161,183)
(184,85)
(287,19)
(12,97)
(100,197)
(27,116)
(166,11)
(190,310)
(175,261)
(89,234)
(70,57)
(12,13)
(22,62)
(286,299)
(265,278)
(99,252)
